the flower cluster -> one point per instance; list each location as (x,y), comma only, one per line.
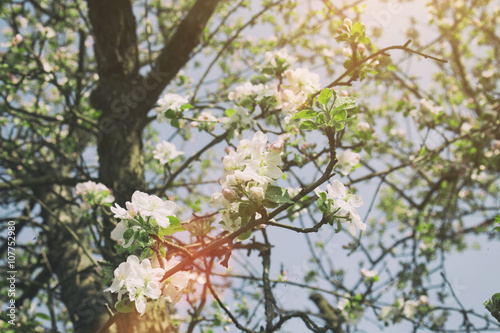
(166,151)
(278,58)
(141,281)
(94,193)
(427,112)
(301,83)
(248,92)
(239,118)
(350,308)
(168,102)
(249,171)
(145,212)
(400,309)
(337,201)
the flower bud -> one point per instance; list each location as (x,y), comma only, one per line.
(229,193)
(348,22)
(361,48)
(347,52)
(277,146)
(17,39)
(363,126)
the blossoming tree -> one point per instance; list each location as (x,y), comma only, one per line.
(160,158)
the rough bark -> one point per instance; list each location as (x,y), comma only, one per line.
(331,315)
(81,285)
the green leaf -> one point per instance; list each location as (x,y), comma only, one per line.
(42,315)
(339,226)
(245,235)
(325,96)
(128,234)
(175,226)
(493,305)
(350,101)
(305,114)
(322,203)
(229,112)
(175,123)
(246,209)
(277,195)
(341,116)
(357,28)
(268,71)
(308,125)
(171,114)
(339,126)
(270,204)
(125,306)
(187,106)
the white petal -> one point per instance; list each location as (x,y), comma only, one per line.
(119,211)
(355,200)
(358,224)
(337,189)
(140,304)
(118,231)
(351,228)
(133,260)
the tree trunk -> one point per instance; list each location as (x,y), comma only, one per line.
(69,259)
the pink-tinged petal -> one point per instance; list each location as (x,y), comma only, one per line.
(180,280)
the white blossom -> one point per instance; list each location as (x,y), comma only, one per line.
(146,206)
(363,126)
(346,203)
(239,119)
(139,279)
(167,102)
(207,116)
(271,56)
(347,160)
(368,273)
(302,80)
(166,151)
(97,192)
